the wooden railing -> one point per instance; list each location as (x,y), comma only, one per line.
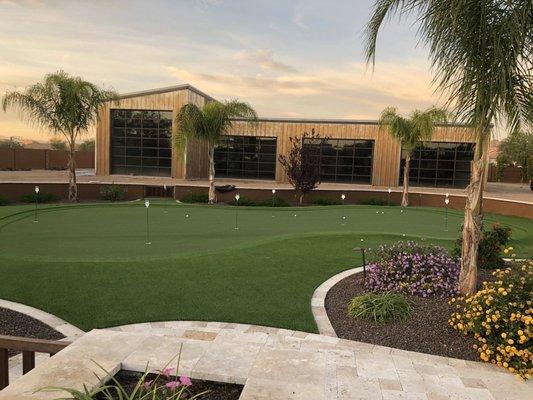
(28,347)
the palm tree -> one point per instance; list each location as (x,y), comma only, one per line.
(63,105)
(481,53)
(411,132)
(209,124)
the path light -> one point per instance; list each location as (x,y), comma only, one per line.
(362,250)
(343,217)
(237,197)
(273,197)
(36,198)
(446,202)
(147,205)
(389,190)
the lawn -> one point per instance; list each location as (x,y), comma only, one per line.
(89,264)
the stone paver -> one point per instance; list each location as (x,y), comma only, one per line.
(272,364)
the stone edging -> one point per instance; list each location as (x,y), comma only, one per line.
(70,331)
(318,302)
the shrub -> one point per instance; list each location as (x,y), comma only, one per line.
(413,269)
(41,198)
(375,201)
(275,202)
(380,307)
(195,198)
(490,247)
(500,317)
(243,201)
(3,202)
(325,201)
(112,192)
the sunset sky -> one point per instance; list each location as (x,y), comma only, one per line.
(286,58)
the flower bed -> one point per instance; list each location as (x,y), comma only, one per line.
(413,269)
(500,318)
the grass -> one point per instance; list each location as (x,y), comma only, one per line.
(89,264)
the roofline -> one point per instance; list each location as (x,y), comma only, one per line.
(166,89)
(338,121)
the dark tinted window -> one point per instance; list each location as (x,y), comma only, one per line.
(439,164)
(251,157)
(344,160)
(140,142)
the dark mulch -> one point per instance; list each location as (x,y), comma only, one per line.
(217,390)
(13,323)
(426,330)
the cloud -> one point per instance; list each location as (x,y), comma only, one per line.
(265,59)
(349,91)
(208,3)
(298,18)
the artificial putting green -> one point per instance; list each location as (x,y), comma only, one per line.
(89,264)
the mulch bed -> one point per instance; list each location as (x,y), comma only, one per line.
(425,331)
(13,323)
(217,390)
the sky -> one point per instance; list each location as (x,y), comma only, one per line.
(301,59)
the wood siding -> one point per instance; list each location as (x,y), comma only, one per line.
(386,157)
(170,101)
(387,150)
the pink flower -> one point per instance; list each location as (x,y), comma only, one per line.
(172,385)
(185,380)
(147,384)
(166,372)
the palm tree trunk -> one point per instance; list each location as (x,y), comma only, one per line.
(212,194)
(405,194)
(473,223)
(72,186)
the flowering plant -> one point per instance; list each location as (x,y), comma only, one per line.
(160,386)
(414,269)
(500,317)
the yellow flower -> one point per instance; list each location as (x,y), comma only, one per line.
(504,335)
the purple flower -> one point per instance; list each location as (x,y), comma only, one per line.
(166,372)
(147,384)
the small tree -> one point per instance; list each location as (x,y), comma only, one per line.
(11,143)
(87,145)
(208,124)
(302,164)
(501,163)
(58,144)
(411,132)
(517,149)
(62,105)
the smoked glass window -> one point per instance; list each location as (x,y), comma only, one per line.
(439,164)
(344,160)
(141,142)
(251,157)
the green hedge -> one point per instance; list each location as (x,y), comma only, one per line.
(195,198)
(40,198)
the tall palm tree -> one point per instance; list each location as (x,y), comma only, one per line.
(63,105)
(209,124)
(411,132)
(481,52)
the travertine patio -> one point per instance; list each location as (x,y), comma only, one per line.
(272,363)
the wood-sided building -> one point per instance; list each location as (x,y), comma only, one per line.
(134,136)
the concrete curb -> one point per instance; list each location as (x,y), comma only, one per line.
(70,331)
(318,302)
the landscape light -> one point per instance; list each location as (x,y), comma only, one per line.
(237,197)
(36,200)
(147,205)
(447,194)
(343,217)
(389,190)
(273,191)
(273,197)
(446,202)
